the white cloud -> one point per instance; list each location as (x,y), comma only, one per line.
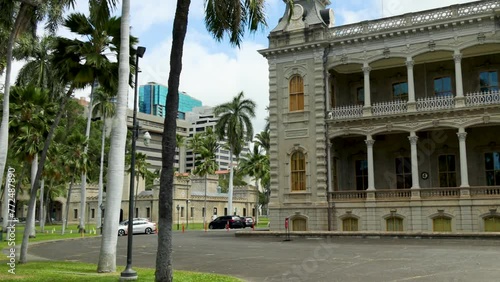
(214,78)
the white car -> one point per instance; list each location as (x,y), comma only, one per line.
(139,226)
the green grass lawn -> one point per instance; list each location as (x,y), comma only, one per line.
(52,232)
(53,271)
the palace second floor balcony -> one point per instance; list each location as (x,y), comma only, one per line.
(428,104)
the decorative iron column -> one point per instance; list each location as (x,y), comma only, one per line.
(464,174)
(371,177)
(414,160)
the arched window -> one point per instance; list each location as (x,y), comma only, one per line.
(350,224)
(492,224)
(441,224)
(298,171)
(394,224)
(296,93)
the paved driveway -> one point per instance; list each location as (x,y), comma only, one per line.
(272,259)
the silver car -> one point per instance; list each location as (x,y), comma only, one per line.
(139,226)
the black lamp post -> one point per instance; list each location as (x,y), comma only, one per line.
(178,216)
(129,273)
(187,213)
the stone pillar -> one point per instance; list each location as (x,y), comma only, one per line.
(459,98)
(411,86)
(371,177)
(367,109)
(464,174)
(414,160)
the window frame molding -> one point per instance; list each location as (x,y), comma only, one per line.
(288,75)
(288,174)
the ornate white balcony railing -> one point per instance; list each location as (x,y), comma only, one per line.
(435,103)
(388,108)
(482,192)
(482,98)
(488,191)
(425,17)
(344,112)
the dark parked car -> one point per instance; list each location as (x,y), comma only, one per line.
(222,221)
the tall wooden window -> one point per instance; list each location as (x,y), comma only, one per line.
(394,224)
(403,172)
(296,93)
(488,81)
(441,224)
(442,86)
(361,174)
(400,91)
(298,161)
(350,224)
(447,171)
(492,168)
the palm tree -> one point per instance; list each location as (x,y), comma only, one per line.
(141,170)
(74,71)
(106,108)
(179,143)
(107,255)
(32,112)
(38,70)
(254,164)
(21,17)
(75,162)
(99,32)
(235,126)
(231,17)
(205,146)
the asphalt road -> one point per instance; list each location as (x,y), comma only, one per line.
(315,259)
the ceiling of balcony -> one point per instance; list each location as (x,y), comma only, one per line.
(482,49)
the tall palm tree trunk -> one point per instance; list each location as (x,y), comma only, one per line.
(101,175)
(4,126)
(164,270)
(231,176)
(31,224)
(41,213)
(83,190)
(68,198)
(30,220)
(114,188)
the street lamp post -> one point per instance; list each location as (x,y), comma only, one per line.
(129,273)
(178,216)
(187,213)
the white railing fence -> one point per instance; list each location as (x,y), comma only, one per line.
(435,103)
(390,107)
(482,98)
(344,112)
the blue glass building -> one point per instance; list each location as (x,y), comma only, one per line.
(152,100)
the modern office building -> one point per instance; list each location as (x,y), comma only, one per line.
(152,100)
(200,119)
(386,125)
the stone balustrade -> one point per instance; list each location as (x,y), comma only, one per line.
(483,192)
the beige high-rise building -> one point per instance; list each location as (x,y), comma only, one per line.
(390,124)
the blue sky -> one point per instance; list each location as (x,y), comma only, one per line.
(213,71)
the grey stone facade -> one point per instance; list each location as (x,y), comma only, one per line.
(399,128)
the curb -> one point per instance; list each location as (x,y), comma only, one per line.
(372,235)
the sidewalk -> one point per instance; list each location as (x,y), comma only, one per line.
(373,234)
